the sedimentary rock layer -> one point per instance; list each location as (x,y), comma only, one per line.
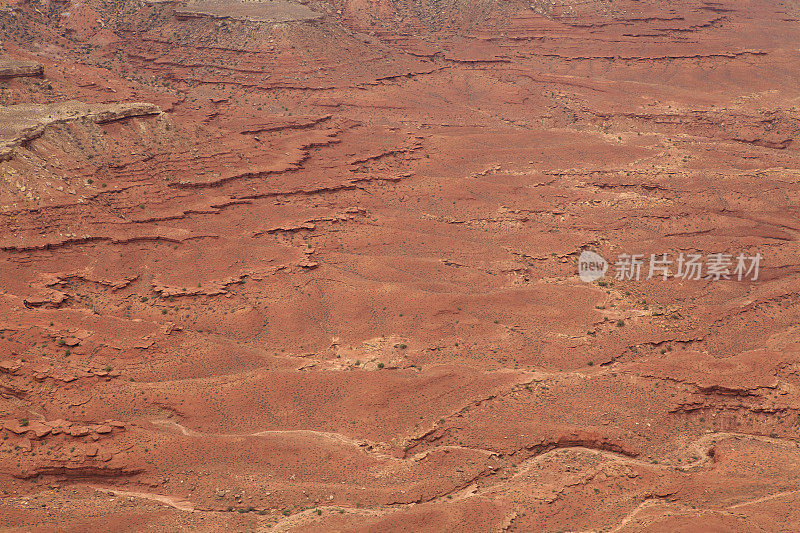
(262,272)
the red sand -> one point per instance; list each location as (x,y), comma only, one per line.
(321,275)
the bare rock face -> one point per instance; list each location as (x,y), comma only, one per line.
(24,122)
(317,266)
(10,68)
(248,10)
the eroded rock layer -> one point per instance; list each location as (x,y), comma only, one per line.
(313,267)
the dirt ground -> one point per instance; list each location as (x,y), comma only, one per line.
(272,266)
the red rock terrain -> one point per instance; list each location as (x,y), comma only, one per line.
(313,266)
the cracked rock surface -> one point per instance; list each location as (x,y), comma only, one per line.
(283,266)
